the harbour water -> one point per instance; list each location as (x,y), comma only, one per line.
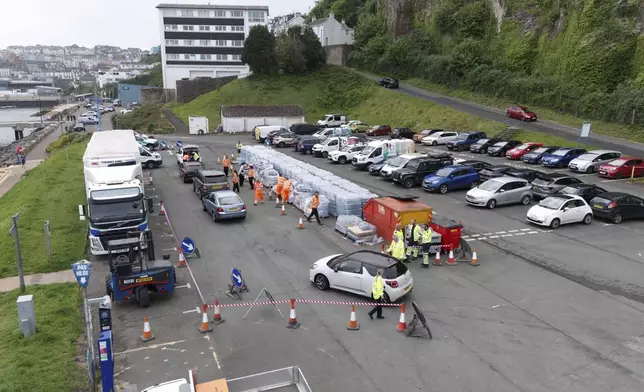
(7,134)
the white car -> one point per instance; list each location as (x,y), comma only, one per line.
(345,154)
(89,114)
(592,160)
(354,272)
(558,210)
(439,138)
(126,111)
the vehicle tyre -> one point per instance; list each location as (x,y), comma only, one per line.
(588,219)
(342,160)
(203,204)
(525,200)
(321,282)
(460,148)
(590,170)
(408,182)
(144,297)
(617,219)
(491,204)
(443,189)
(434,143)
(200,132)
(484,150)
(555,223)
(560,166)
(325,154)
(214,217)
(474,184)
(108,291)
(281,145)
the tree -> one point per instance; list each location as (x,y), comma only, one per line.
(259,51)
(312,49)
(290,56)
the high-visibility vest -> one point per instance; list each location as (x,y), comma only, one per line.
(399,234)
(315,201)
(397,249)
(239,146)
(280,181)
(418,232)
(287,185)
(195,156)
(235,178)
(251,173)
(226,162)
(378,288)
(427,236)
(259,186)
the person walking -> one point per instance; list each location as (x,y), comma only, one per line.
(413,239)
(397,249)
(259,192)
(279,187)
(398,233)
(235,181)
(426,244)
(22,160)
(242,174)
(251,177)
(226,163)
(377,293)
(238,146)
(286,190)
(314,204)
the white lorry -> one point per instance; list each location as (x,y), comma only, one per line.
(381,150)
(198,125)
(116,203)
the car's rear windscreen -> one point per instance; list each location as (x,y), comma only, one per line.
(394,271)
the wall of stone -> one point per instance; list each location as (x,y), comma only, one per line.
(187,90)
(8,152)
(156,95)
(337,54)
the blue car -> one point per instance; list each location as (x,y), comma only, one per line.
(450,178)
(534,157)
(562,157)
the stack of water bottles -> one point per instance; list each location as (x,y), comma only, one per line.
(337,195)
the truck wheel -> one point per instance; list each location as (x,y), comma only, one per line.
(144,297)
(200,132)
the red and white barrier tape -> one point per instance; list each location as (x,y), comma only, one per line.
(305,301)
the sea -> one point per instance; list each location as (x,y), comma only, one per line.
(10,114)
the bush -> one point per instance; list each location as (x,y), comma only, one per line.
(66,140)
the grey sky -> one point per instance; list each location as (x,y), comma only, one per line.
(125,23)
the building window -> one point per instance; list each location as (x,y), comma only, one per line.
(171,27)
(169,13)
(220,28)
(203,13)
(236,14)
(204,57)
(173,56)
(220,42)
(256,16)
(222,57)
(204,42)
(189,56)
(236,57)
(237,28)
(188,28)
(204,28)
(186,13)
(238,43)
(187,42)
(220,14)
(172,42)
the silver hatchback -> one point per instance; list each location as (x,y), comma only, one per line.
(223,205)
(500,191)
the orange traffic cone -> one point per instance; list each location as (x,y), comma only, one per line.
(300,224)
(475,259)
(182,259)
(353,321)
(205,326)
(450,259)
(216,318)
(147,332)
(283,212)
(162,209)
(292,320)
(402,324)
(437,261)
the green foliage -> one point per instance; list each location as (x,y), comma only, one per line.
(67,140)
(347,10)
(143,119)
(259,51)
(296,51)
(153,77)
(152,59)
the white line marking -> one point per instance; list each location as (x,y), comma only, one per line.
(476,235)
(170,349)
(150,347)
(507,235)
(482,238)
(512,231)
(533,232)
(190,311)
(488,233)
(214,355)
(187,285)
(500,232)
(520,234)
(526,229)
(167,235)
(623,179)
(122,371)
(494,236)
(169,249)
(607,224)
(473,239)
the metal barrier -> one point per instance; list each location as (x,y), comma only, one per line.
(271,380)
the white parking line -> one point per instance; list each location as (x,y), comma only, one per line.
(621,179)
(526,229)
(494,236)
(512,231)
(500,232)
(533,232)
(520,234)
(507,235)
(187,285)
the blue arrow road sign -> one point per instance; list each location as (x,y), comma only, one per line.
(82,270)
(188,246)
(238,281)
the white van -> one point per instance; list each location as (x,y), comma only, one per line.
(261,131)
(380,150)
(150,159)
(332,120)
(328,145)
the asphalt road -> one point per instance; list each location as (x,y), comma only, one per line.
(545,311)
(547,127)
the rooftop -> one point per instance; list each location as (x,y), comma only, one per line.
(262,111)
(214,7)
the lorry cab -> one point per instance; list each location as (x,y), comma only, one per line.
(332,120)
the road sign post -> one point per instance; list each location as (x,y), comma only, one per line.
(82,271)
(48,240)
(238,286)
(189,248)
(16,239)
(584,132)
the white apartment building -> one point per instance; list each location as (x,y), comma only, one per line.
(205,40)
(283,23)
(5,72)
(114,76)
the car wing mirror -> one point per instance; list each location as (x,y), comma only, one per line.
(336,268)
(566,209)
(501,190)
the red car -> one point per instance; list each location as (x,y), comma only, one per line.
(521,113)
(517,152)
(622,167)
(379,130)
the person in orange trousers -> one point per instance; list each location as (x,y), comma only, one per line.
(226,163)
(286,190)
(259,192)
(279,187)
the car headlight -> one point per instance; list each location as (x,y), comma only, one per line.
(314,265)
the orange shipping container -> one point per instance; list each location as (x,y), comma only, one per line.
(386,212)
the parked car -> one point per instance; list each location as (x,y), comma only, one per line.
(358,126)
(592,160)
(477,165)
(527,174)
(499,149)
(399,162)
(481,145)
(379,130)
(438,138)
(418,137)
(188,170)
(305,145)
(585,191)
(354,272)
(126,111)
(402,133)
(224,205)
(500,191)
(550,183)
(464,140)
(521,113)
(189,149)
(78,127)
(418,168)
(208,181)
(558,210)
(535,156)
(617,206)
(623,167)
(517,152)
(494,171)
(345,154)
(284,139)
(88,120)
(389,83)
(374,168)
(452,178)
(303,129)
(562,157)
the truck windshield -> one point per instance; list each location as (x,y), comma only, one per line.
(119,210)
(367,150)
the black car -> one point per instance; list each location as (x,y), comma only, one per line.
(305,145)
(587,191)
(418,168)
(617,206)
(499,149)
(477,165)
(389,83)
(527,174)
(188,170)
(494,172)
(303,129)
(402,133)
(208,181)
(481,146)
(534,157)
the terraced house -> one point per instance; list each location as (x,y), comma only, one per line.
(205,40)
